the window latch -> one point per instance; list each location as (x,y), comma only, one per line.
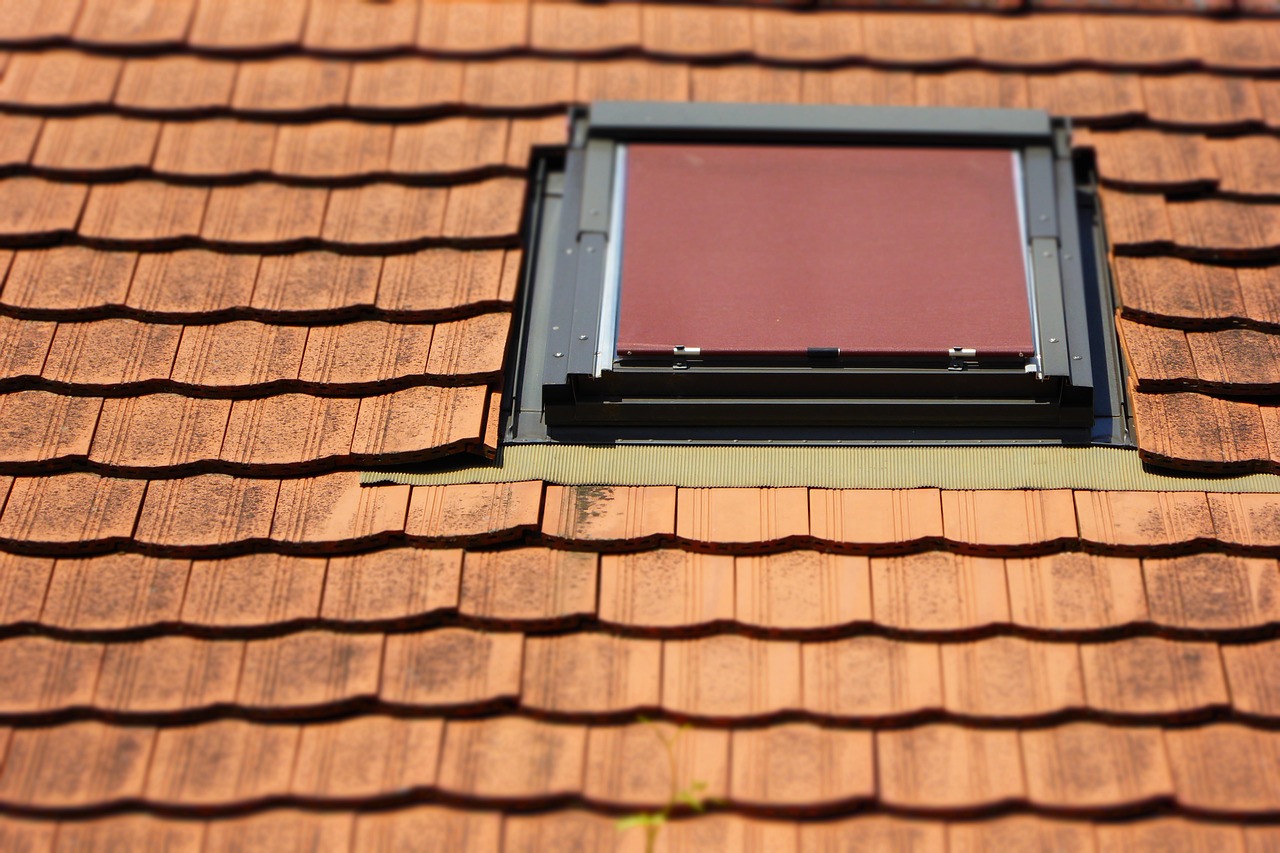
(962,358)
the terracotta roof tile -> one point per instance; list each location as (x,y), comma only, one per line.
(745,84)
(408,86)
(1011,677)
(221,763)
(741,516)
(1087,765)
(853,86)
(1260,293)
(366,756)
(450,145)
(168,674)
(477,512)
(214,148)
(24,346)
(438,280)
(1225,768)
(971,89)
(634,80)
(21,834)
(291,85)
(1149,836)
(867,677)
(1170,287)
(18,136)
(1253,671)
(591,674)
(466,832)
(264,214)
(143,212)
(1144,519)
(418,422)
(571,830)
(505,758)
(801,765)
(784,36)
(490,209)
(310,669)
(391,584)
(1198,432)
(23,22)
(727,677)
(451,666)
(97,763)
(948,767)
(1140,221)
(345,26)
(802,589)
(1088,95)
(287,430)
(1269,100)
(917,38)
(56,79)
(371,351)
(1238,44)
(899,518)
(39,426)
(1246,520)
(1152,159)
(39,675)
(230,26)
(206,511)
(238,353)
(192,282)
(875,831)
(937,591)
(253,590)
(631,514)
(133,832)
(279,829)
(700,32)
(1074,592)
(70,509)
(1213,591)
(24,582)
(524,135)
(68,278)
(334,509)
(1135,40)
(133,22)
(339,149)
(114,592)
(628,766)
(985,520)
(1147,675)
(471,27)
(1231,228)
(1020,832)
(575,29)
(1248,165)
(34,208)
(315,282)
(159,431)
(1200,100)
(1029,41)
(660,589)
(383,215)
(517,83)
(175,84)
(528,584)
(96,143)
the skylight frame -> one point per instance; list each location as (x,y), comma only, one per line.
(572,323)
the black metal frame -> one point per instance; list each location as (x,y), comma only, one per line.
(558,392)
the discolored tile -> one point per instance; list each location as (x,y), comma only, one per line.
(938,591)
(441,280)
(489,210)
(1148,675)
(589,673)
(802,590)
(146,212)
(159,431)
(1248,520)
(668,588)
(70,509)
(948,767)
(384,215)
(867,677)
(729,677)
(1074,592)
(206,511)
(263,214)
(315,282)
(97,764)
(630,766)
(1089,765)
(511,758)
(452,667)
(39,675)
(68,278)
(630,514)
(335,508)
(24,346)
(310,669)
(288,429)
(1213,591)
(521,584)
(114,591)
(1198,432)
(395,583)
(1201,100)
(1088,95)
(1253,671)
(366,757)
(253,590)
(1011,677)
(801,765)
(478,512)
(365,352)
(1153,159)
(1225,768)
(221,763)
(1143,519)
(1171,287)
(169,674)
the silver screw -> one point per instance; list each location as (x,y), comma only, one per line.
(568,251)
(582,337)
(1075,357)
(559,355)
(1053,340)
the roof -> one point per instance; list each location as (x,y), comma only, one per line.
(250,248)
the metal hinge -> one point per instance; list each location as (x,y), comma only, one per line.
(962,358)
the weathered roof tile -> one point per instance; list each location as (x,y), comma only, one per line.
(311,668)
(96,763)
(631,514)
(253,590)
(802,765)
(727,677)
(334,509)
(867,677)
(1212,591)
(528,584)
(1074,592)
(366,756)
(802,589)
(1011,677)
(1253,671)
(40,675)
(238,353)
(628,766)
(133,23)
(1225,768)
(480,512)
(1143,519)
(70,510)
(589,673)
(221,763)
(39,426)
(114,592)
(948,767)
(451,666)
(168,674)
(1088,765)
(24,582)
(339,149)
(288,429)
(667,588)
(31,207)
(291,85)
(391,584)
(508,758)
(345,26)
(1147,675)
(191,282)
(176,84)
(264,214)
(206,511)
(159,431)
(384,214)
(143,212)
(96,143)
(938,591)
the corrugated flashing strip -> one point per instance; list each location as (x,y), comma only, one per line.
(1037,467)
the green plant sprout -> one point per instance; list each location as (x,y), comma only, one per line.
(691,796)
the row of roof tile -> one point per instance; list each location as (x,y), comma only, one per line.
(382,216)
(1085,768)
(664,30)
(573,831)
(218,512)
(581,675)
(302,88)
(661,593)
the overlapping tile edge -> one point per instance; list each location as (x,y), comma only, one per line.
(540,581)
